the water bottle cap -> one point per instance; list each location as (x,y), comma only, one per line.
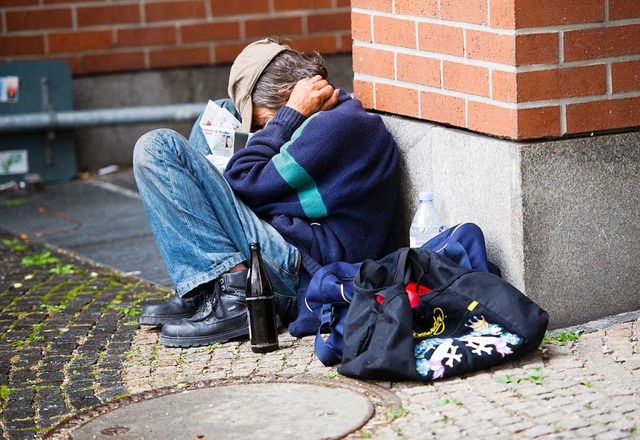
(425,196)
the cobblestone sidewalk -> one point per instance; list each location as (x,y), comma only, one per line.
(69,340)
(66,327)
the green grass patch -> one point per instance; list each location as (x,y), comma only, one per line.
(213,347)
(52,308)
(15,244)
(4,392)
(33,336)
(27,341)
(562,338)
(13,202)
(536,377)
(63,269)
(127,310)
(41,259)
(444,402)
(395,413)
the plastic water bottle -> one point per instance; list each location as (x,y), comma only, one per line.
(426,223)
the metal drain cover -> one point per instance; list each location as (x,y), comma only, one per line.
(256,411)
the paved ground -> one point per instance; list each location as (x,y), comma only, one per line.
(102,220)
(69,340)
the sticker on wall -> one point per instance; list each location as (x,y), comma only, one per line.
(9,89)
(14,162)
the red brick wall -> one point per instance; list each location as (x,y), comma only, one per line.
(520,69)
(97,36)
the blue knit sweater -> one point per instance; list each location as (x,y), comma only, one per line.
(328,183)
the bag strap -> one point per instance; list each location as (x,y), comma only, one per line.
(322,347)
(401,275)
(409,265)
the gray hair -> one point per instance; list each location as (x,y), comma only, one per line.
(283,72)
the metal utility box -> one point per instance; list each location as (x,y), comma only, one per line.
(36,87)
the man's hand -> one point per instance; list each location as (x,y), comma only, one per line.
(310,95)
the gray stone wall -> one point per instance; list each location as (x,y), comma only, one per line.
(581,206)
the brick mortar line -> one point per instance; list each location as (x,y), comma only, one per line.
(503,31)
(163,23)
(493,64)
(142,11)
(101,4)
(502,104)
(563,119)
(179,22)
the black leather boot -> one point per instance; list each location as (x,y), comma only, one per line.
(160,312)
(222,315)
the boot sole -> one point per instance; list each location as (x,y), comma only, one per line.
(161,320)
(173,341)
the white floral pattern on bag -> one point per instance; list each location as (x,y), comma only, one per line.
(434,355)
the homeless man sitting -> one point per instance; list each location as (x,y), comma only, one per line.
(316,183)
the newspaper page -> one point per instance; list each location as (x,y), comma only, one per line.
(220,129)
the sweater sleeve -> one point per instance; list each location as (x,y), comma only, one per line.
(277,165)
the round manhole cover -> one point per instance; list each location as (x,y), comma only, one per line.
(256,411)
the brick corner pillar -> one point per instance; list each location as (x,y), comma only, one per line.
(517,69)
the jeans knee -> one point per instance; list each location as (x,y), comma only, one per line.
(150,144)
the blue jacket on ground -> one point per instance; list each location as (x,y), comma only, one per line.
(328,183)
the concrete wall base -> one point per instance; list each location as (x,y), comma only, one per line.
(560,218)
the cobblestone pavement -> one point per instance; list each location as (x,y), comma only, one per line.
(66,327)
(69,340)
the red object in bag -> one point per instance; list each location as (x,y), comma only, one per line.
(414,297)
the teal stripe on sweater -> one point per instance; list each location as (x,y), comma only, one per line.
(297,177)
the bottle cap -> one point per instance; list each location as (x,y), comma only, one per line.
(425,196)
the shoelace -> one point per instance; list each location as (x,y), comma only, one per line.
(210,304)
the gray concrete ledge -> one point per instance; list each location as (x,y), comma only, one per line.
(560,218)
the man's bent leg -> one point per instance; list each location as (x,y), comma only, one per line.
(201,228)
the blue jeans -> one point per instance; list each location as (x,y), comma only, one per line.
(202,229)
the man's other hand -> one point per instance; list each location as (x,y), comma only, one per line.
(310,95)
